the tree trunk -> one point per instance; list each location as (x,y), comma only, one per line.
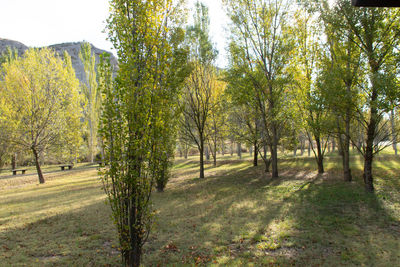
(14,161)
(267,164)
(91,146)
(295,150)
(201,150)
(346,149)
(265,151)
(368,179)
(39,170)
(255,159)
(231,148)
(274,160)
(250,151)
(369,153)
(393,126)
(207,153)
(239,150)
(320,156)
(369,146)
(223,148)
(302,145)
(215,153)
(132,258)
(309,148)
(333,144)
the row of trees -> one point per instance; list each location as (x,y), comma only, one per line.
(311,71)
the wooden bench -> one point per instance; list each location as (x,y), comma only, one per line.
(67,165)
(17,170)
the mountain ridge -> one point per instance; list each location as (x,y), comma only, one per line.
(72,48)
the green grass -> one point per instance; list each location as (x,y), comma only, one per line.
(237,216)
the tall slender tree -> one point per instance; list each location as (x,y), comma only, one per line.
(92,97)
(376,32)
(200,85)
(134,115)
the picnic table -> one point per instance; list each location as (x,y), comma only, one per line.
(65,166)
(17,170)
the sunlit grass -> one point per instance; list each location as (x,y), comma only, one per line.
(235,216)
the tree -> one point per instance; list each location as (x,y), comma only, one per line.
(216,123)
(41,103)
(133,120)
(196,102)
(92,97)
(376,32)
(200,85)
(260,29)
(342,73)
(5,127)
(311,100)
(245,122)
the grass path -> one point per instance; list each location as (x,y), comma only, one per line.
(237,216)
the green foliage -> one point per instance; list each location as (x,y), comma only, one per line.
(40,104)
(261,47)
(92,97)
(200,86)
(137,115)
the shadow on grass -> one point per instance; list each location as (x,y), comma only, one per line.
(239,216)
(339,223)
(83,237)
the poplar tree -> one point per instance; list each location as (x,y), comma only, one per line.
(135,116)
(92,97)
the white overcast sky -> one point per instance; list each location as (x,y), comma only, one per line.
(45,22)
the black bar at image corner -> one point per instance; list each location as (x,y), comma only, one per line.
(376,3)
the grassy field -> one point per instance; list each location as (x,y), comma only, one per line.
(237,216)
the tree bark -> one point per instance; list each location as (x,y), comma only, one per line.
(215,153)
(369,146)
(274,158)
(132,258)
(393,126)
(201,150)
(320,156)
(346,149)
(14,161)
(207,152)
(239,150)
(309,148)
(369,153)
(255,159)
(302,144)
(39,170)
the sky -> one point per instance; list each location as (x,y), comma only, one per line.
(39,23)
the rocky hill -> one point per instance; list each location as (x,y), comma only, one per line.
(72,49)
